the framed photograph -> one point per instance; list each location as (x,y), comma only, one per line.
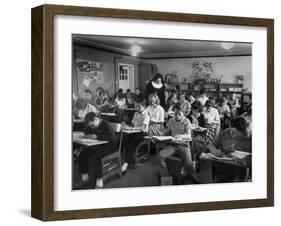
(142,112)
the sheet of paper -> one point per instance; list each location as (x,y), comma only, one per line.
(163,137)
(86,82)
(240,154)
(99,77)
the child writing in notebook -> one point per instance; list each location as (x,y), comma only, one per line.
(90,157)
(179,127)
(235,138)
(140,123)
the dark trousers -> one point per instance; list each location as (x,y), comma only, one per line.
(90,159)
(132,141)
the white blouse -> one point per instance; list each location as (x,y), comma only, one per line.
(211,116)
(156,114)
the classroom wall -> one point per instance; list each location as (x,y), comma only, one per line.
(229,67)
(107,59)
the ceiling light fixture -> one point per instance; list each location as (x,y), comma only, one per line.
(135,49)
(227,45)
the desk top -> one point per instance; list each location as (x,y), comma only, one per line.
(89,142)
(78,137)
(130,109)
(225,160)
(169,140)
(132,131)
(108,114)
(78,120)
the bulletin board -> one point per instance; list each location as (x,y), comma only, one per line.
(89,71)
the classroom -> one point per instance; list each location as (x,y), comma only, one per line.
(160,112)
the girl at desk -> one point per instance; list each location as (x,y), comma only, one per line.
(89,159)
(140,122)
(103,101)
(224,113)
(235,138)
(82,107)
(212,118)
(179,127)
(156,115)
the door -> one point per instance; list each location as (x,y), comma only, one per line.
(126,77)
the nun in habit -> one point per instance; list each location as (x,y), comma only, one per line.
(156,85)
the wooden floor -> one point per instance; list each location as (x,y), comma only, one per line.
(147,174)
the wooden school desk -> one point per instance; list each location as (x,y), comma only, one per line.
(226,161)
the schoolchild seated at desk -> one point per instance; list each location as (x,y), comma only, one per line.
(88,95)
(235,138)
(90,158)
(129,99)
(132,140)
(138,95)
(156,115)
(103,101)
(186,104)
(120,105)
(212,117)
(197,119)
(224,112)
(171,101)
(179,127)
(82,107)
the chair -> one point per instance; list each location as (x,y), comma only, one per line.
(143,156)
(112,163)
(202,144)
(174,166)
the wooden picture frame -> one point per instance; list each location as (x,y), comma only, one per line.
(43,120)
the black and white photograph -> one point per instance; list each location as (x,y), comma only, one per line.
(160,112)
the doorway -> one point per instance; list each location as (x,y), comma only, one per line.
(126,77)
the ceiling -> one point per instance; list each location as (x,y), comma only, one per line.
(152,48)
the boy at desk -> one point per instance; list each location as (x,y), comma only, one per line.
(235,138)
(140,122)
(97,129)
(180,128)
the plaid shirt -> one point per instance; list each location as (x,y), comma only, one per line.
(182,127)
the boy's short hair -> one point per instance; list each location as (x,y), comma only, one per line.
(179,106)
(90,117)
(120,90)
(182,93)
(209,103)
(202,91)
(197,105)
(222,99)
(240,123)
(141,102)
(88,91)
(128,90)
(80,103)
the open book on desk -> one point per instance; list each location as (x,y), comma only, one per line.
(171,138)
(240,154)
(88,142)
(163,138)
(126,130)
(212,156)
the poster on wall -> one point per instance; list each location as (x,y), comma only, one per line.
(89,71)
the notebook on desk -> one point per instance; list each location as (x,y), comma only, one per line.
(163,138)
(240,154)
(132,131)
(88,142)
(211,156)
